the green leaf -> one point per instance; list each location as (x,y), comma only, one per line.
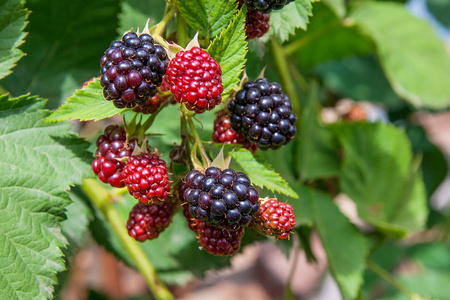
(86,104)
(378,174)
(65,43)
(41,161)
(229,50)
(327,31)
(75,228)
(337,6)
(440,10)
(12,24)
(316,149)
(258,170)
(207,16)
(407,48)
(358,78)
(345,246)
(284,22)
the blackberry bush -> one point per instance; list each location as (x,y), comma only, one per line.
(132,69)
(112,146)
(263,113)
(223,198)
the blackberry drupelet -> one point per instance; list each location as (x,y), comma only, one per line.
(263,113)
(132,69)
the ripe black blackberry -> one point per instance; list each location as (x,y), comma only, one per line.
(112,144)
(266,6)
(263,113)
(132,69)
(223,198)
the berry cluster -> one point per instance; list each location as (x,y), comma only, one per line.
(274,218)
(147,178)
(146,222)
(195,80)
(224,199)
(263,113)
(266,6)
(112,145)
(153,103)
(132,69)
(223,133)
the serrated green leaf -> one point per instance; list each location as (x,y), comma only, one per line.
(86,104)
(327,31)
(13,21)
(284,22)
(229,50)
(65,43)
(378,174)
(258,170)
(407,48)
(207,16)
(345,246)
(38,164)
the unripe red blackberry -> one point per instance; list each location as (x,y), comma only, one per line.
(219,241)
(195,80)
(225,199)
(274,218)
(263,113)
(266,6)
(112,145)
(132,69)
(192,222)
(147,178)
(223,133)
(153,103)
(146,222)
(256,23)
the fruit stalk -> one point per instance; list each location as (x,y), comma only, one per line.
(101,198)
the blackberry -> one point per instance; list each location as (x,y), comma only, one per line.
(225,199)
(223,133)
(263,113)
(256,23)
(192,223)
(194,78)
(219,241)
(274,218)
(266,6)
(132,69)
(111,145)
(146,222)
(147,178)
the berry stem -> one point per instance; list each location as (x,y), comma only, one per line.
(148,123)
(101,199)
(280,58)
(392,280)
(161,25)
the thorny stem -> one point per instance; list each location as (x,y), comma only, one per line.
(392,280)
(281,64)
(101,199)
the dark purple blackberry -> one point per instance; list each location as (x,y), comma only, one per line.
(266,6)
(263,113)
(132,69)
(225,199)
